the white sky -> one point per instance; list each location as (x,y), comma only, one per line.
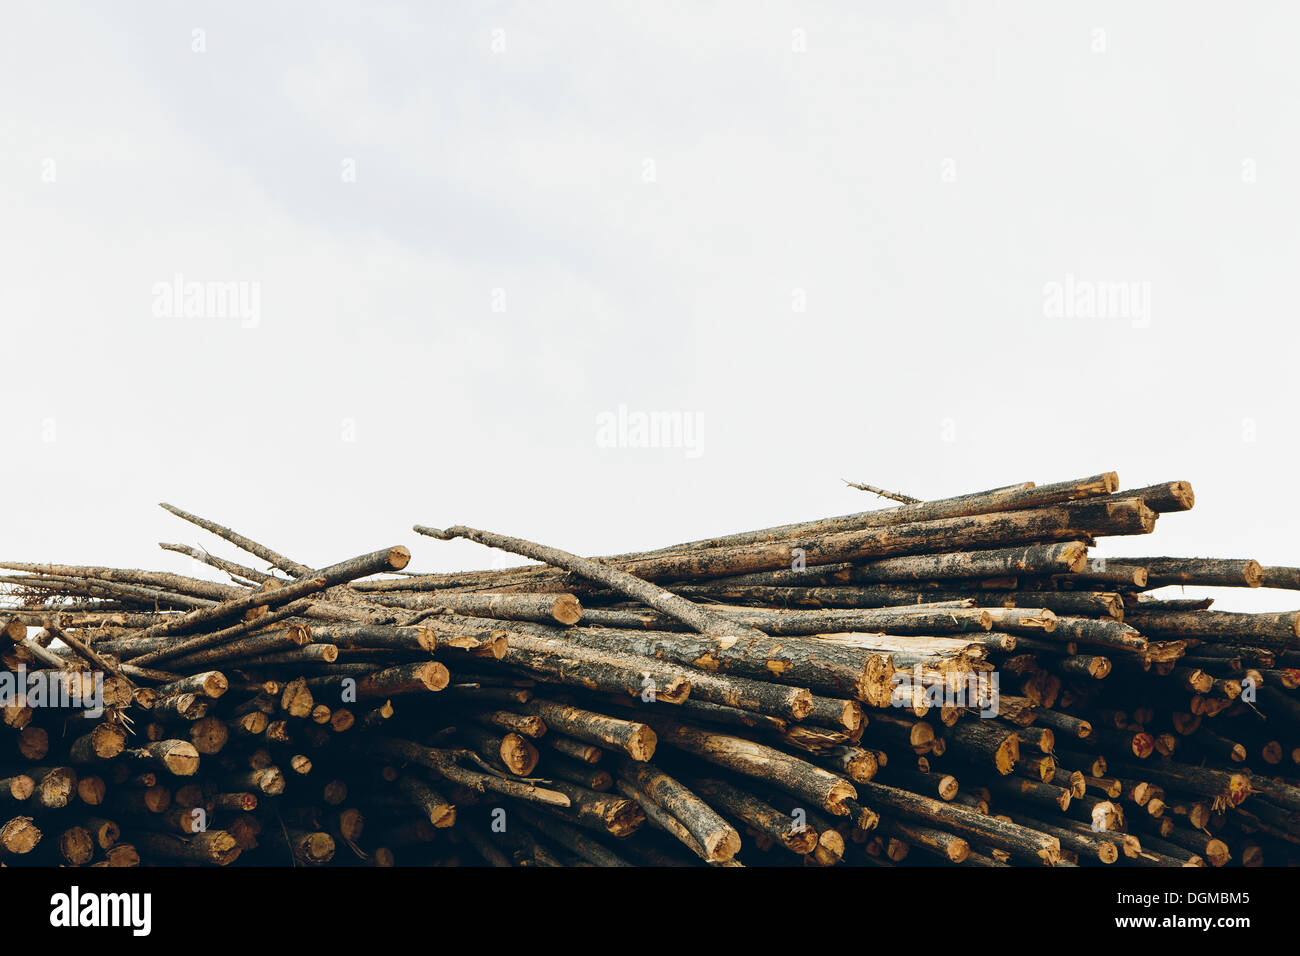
(917,173)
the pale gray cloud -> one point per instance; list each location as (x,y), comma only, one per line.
(823,232)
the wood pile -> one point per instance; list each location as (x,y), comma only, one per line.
(952,682)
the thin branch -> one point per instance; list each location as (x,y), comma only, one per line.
(881,492)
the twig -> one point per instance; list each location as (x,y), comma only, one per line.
(881,492)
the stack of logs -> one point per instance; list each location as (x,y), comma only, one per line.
(952,682)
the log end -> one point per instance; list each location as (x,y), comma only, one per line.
(219,847)
(800,702)
(156,798)
(1043,619)
(33,743)
(1076,556)
(1182,493)
(1146,518)
(566,609)
(214,684)
(674,690)
(957,850)
(920,736)
(641,743)
(351,824)
(838,797)
(21,786)
(802,841)
(271,781)
(433,675)
(181,758)
(862,767)
(830,846)
(108,740)
(1008,752)
(91,790)
(518,755)
(1217,853)
(948,787)
(722,845)
(20,835)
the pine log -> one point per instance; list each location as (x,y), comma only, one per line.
(1274,630)
(693,616)
(817,665)
(1019,841)
(714,835)
(794,776)
(633,738)
(1201,572)
(754,812)
(440,812)
(213,846)
(1165,497)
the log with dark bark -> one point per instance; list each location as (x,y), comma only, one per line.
(710,832)
(1021,842)
(778,769)
(691,615)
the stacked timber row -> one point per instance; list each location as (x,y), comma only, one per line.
(952,682)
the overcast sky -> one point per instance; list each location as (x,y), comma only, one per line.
(934,247)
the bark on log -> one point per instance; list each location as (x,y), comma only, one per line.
(794,776)
(813,664)
(1202,572)
(1019,841)
(781,828)
(680,609)
(1164,497)
(718,838)
(633,738)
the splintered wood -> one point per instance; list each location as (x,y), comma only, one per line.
(955,682)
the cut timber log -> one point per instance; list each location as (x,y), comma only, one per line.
(691,615)
(798,777)
(633,738)
(1020,842)
(714,835)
